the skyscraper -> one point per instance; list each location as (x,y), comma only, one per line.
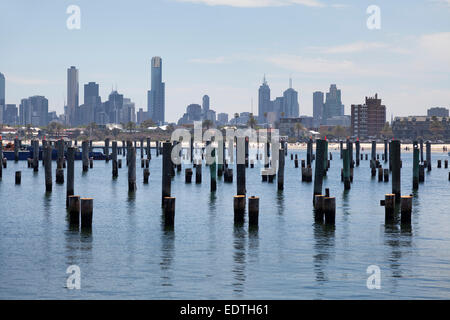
(34,111)
(92,103)
(333,104)
(72,95)
(264,103)
(290,102)
(368,120)
(205,104)
(156,96)
(2,97)
(317,107)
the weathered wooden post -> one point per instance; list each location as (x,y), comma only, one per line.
(60,154)
(149,149)
(74,209)
(212,170)
(240,166)
(132,170)
(386,175)
(389,207)
(115,169)
(325,158)
(85,155)
(346,169)
(18,177)
(87,210)
(319,207)
(374,151)
(385,150)
(16,150)
(107,149)
(70,173)
(396,169)
(253,210)
(357,147)
(146,175)
(309,152)
(1,158)
(91,162)
(341,148)
(416,162)
(428,147)
(35,145)
(406,208)
(439,164)
(281,161)
(380,174)
(239,208)
(329,209)
(220,156)
(421,173)
(319,169)
(169,210)
(166,171)
(198,171)
(188,175)
(446,164)
(350,153)
(48,168)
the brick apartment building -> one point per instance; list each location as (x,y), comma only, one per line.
(367,120)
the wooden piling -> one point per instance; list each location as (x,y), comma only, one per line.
(1,158)
(85,155)
(389,207)
(406,209)
(115,169)
(107,150)
(213,172)
(346,169)
(357,155)
(188,175)
(149,149)
(319,168)
(166,171)
(416,162)
(239,208)
(386,175)
(169,210)
(146,175)
(198,172)
(253,210)
(18,177)
(74,209)
(16,150)
(48,168)
(132,170)
(281,162)
(87,210)
(319,207)
(329,209)
(428,150)
(70,173)
(439,164)
(240,166)
(396,168)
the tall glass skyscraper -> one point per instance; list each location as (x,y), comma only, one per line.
(72,95)
(317,107)
(264,103)
(156,96)
(333,105)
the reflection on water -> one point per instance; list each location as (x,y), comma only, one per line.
(253,243)
(238,269)
(167,254)
(323,250)
(280,202)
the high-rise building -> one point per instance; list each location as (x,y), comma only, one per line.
(317,107)
(156,96)
(2,97)
(368,120)
(205,104)
(264,103)
(437,112)
(34,111)
(222,118)
(72,95)
(92,103)
(290,102)
(333,104)
(10,115)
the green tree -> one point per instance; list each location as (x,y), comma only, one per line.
(251,122)
(147,123)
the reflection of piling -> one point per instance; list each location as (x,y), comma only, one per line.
(132,170)
(48,168)
(87,209)
(253,210)
(396,168)
(406,208)
(239,208)
(169,210)
(74,209)
(166,171)
(319,170)
(70,173)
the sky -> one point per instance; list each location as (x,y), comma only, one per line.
(223,48)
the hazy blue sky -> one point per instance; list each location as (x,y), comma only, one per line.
(223,48)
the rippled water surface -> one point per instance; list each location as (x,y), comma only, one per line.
(129,254)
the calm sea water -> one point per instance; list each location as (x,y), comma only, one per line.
(129,255)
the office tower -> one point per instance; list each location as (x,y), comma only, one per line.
(278,110)
(113,107)
(333,105)
(10,115)
(264,103)
(34,111)
(368,120)
(290,101)
(205,104)
(128,113)
(2,97)
(156,96)
(437,112)
(317,107)
(92,102)
(222,118)
(72,95)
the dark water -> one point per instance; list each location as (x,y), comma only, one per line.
(129,254)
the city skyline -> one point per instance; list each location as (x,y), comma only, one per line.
(406,63)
